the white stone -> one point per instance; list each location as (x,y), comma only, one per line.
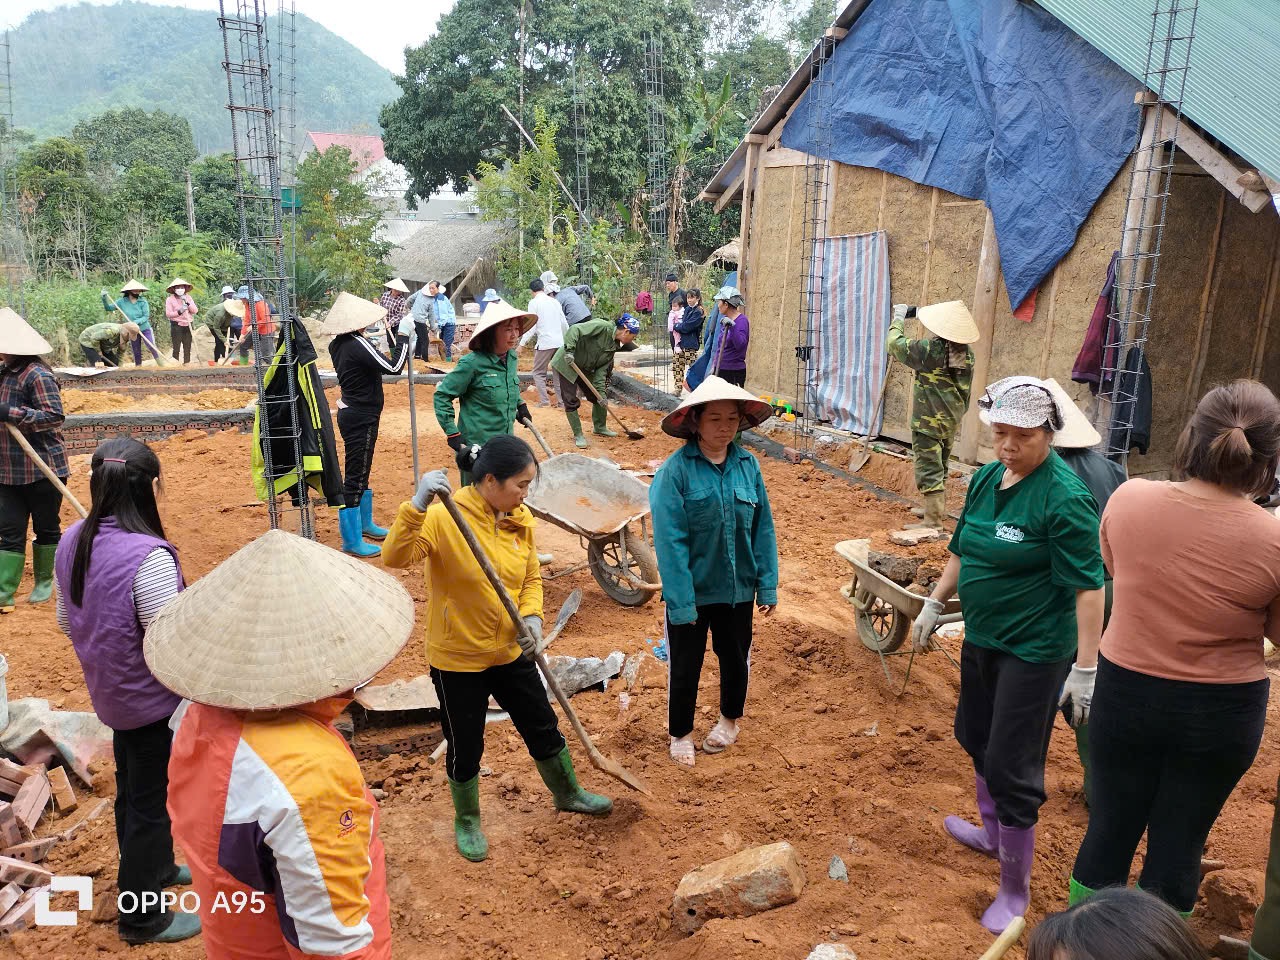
(744,884)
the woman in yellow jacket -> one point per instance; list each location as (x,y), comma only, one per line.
(472,646)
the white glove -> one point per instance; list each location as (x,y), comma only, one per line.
(406,326)
(1079,690)
(530,638)
(925,622)
(431,485)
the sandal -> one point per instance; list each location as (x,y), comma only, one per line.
(721,737)
(682,751)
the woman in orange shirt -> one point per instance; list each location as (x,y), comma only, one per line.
(1181,692)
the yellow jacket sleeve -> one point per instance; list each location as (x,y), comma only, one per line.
(407,541)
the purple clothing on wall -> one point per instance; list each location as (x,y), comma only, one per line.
(104,629)
(735,339)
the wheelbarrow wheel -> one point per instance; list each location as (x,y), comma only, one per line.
(608,562)
(881,626)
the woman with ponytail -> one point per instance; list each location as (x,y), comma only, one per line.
(1180,696)
(113,573)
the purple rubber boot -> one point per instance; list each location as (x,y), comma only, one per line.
(1017,851)
(984,839)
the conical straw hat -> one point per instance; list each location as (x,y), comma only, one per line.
(234,307)
(498,311)
(178,282)
(134,285)
(18,338)
(678,424)
(396,284)
(951,321)
(350,313)
(1076,430)
(281,622)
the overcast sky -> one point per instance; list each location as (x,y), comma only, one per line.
(380,28)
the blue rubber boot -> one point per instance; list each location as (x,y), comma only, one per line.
(352,542)
(367,526)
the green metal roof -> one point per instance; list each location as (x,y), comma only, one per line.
(1233,85)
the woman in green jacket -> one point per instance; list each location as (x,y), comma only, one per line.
(485,385)
(717,553)
(135,308)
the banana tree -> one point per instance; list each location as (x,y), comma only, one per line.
(700,130)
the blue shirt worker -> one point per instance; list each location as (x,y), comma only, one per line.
(717,554)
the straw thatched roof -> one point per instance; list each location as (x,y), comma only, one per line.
(729,253)
(444,250)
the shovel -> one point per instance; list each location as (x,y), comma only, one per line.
(145,342)
(863,453)
(1006,940)
(44,468)
(538,436)
(567,610)
(587,385)
(598,760)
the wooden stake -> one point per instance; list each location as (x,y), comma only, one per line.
(782,301)
(984,315)
(928,247)
(1048,326)
(1265,310)
(1205,326)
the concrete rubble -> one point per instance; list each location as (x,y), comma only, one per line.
(747,883)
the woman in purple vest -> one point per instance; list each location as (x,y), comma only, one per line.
(113,572)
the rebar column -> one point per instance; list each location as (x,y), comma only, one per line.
(657,183)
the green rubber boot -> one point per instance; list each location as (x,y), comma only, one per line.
(42,567)
(1079,893)
(472,843)
(557,774)
(10,576)
(600,421)
(575,424)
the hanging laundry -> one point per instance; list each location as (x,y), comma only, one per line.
(1090,363)
(1132,410)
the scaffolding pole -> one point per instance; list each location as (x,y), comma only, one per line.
(250,102)
(658,184)
(1173,28)
(582,173)
(12,249)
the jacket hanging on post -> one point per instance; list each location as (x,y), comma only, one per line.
(1090,365)
(319,467)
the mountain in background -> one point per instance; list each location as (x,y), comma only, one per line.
(76,62)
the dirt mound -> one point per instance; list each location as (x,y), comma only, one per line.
(100,401)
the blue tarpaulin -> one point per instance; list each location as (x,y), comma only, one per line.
(991,99)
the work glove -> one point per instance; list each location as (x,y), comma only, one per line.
(530,638)
(406,326)
(456,442)
(432,484)
(923,627)
(522,413)
(466,457)
(1079,690)
(728,321)
(6,413)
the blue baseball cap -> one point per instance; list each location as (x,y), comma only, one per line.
(629,323)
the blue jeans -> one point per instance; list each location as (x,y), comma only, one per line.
(446,335)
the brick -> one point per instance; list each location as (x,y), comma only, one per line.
(29,804)
(913,538)
(10,894)
(22,873)
(64,798)
(746,883)
(10,832)
(99,808)
(33,851)
(21,915)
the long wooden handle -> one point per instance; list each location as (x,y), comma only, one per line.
(601,400)
(145,342)
(884,388)
(44,468)
(538,436)
(413,407)
(1006,940)
(514,613)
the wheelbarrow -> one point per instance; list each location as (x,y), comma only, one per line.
(883,610)
(598,502)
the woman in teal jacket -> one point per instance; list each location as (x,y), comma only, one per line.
(135,308)
(717,554)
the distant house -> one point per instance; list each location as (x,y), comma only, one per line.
(459,254)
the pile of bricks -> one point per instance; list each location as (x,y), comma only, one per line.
(25,794)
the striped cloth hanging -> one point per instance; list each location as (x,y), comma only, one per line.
(848,371)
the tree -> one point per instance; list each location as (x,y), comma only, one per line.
(213,186)
(55,199)
(339,221)
(119,139)
(755,64)
(449,118)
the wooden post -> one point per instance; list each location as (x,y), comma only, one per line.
(782,299)
(1265,310)
(1204,328)
(744,219)
(984,315)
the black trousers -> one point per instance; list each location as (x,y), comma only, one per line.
(267,341)
(180,338)
(143,832)
(92,356)
(422,348)
(38,503)
(737,377)
(464,702)
(1004,721)
(359,429)
(730,626)
(1166,754)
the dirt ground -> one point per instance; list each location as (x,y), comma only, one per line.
(829,759)
(100,401)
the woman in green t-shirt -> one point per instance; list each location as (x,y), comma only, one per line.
(1027,563)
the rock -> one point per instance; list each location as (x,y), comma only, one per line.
(913,538)
(832,951)
(378,793)
(821,708)
(836,870)
(741,885)
(575,674)
(901,570)
(631,668)
(1232,896)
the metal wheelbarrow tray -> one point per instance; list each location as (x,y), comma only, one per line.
(597,501)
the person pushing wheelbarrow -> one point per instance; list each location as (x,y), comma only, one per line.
(943,365)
